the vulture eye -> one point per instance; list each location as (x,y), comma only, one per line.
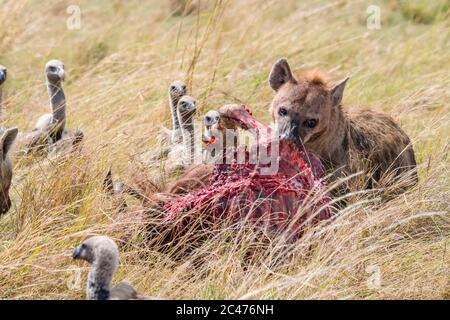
(283,111)
(208,119)
(311,123)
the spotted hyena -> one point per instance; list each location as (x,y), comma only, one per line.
(307,109)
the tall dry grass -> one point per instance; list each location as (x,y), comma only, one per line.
(119,66)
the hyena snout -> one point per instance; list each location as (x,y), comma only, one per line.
(292,131)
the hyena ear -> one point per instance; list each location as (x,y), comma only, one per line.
(7,140)
(338,92)
(280,74)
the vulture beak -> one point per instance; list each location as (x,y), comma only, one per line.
(76,253)
(61,74)
(2,76)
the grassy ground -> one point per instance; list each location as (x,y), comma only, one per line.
(119,66)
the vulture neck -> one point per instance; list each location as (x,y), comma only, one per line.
(176,134)
(57,102)
(99,280)
(187,131)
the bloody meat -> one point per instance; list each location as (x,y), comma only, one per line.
(284,202)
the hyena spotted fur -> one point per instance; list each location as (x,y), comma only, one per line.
(307,109)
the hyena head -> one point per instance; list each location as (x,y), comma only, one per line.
(6,141)
(303,106)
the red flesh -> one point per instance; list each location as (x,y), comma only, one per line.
(240,191)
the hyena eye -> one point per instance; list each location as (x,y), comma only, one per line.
(311,123)
(283,111)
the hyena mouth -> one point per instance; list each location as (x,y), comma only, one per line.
(290,133)
(297,141)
